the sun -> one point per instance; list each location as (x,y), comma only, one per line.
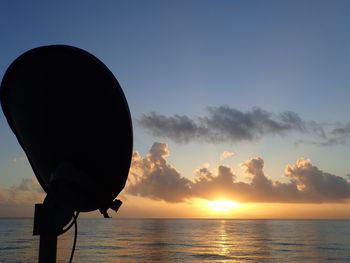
(223,205)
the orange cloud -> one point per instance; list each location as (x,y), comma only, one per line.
(27,192)
(153,177)
(225,155)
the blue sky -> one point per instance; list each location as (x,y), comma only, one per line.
(179,57)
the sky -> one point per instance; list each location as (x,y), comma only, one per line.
(240,109)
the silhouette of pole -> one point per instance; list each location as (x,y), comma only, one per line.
(49,221)
(47,248)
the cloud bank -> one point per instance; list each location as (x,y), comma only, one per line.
(225,124)
(153,177)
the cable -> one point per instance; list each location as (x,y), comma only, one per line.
(75,235)
(68,227)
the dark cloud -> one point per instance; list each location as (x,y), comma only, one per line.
(336,136)
(226,124)
(155,178)
(317,129)
(342,131)
(177,128)
(327,142)
(315,185)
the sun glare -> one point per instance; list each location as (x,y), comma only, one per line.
(223,205)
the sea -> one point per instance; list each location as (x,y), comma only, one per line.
(185,240)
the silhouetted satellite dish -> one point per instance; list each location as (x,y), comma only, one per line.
(71,118)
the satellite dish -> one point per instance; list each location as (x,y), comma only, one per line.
(72,120)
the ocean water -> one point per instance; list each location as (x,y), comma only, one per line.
(185,240)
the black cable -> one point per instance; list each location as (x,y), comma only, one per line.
(75,235)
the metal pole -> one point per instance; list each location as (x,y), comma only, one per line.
(45,228)
(47,248)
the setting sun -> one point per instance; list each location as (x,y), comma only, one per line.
(223,205)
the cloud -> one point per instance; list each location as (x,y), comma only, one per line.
(28,191)
(225,155)
(342,131)
(336,136)
(225,124)
(316,185)
(327,142)
(178,128)
(153,177)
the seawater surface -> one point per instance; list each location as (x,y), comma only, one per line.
(186,240)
